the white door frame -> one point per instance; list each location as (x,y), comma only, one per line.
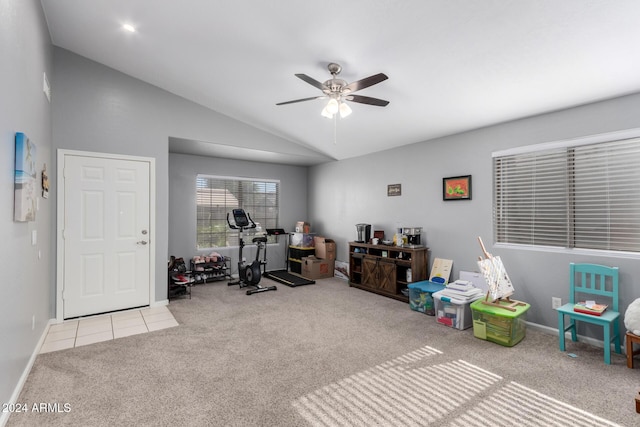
(60,221)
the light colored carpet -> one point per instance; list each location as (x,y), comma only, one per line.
(324,355)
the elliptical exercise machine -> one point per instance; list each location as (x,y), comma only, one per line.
(248,274)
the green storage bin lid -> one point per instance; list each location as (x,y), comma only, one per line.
(478,305)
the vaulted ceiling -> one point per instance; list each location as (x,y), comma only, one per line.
(453,66)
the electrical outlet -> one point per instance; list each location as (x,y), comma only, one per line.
(556,302)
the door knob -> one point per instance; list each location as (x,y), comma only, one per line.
(142,242)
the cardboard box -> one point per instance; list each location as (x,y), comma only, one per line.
(315,268)
(476,278)
(325,248)
(341,270)
(303,227)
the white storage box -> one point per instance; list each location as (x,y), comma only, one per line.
(476,278)
(454,315)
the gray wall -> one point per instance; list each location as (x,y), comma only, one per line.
(100,109)
(182,202)
(96,108)
(25,49)
(344,193)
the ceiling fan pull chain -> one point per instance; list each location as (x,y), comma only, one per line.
(335,129)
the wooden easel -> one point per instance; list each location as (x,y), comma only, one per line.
(497,276)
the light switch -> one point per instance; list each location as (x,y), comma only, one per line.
(34,237)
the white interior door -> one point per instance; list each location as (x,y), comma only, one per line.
(105,235)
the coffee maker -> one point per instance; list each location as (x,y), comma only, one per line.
(413,236)
(363,233)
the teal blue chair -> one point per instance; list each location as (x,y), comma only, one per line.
(592,282)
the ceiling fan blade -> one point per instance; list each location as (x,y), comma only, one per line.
(300,100)
(366,82)
(367,100)
(313,82)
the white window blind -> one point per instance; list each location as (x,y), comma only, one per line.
(217,196)
(579,196)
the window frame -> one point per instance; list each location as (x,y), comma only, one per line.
(547,147)
(230,236)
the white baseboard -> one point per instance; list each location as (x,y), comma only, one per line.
(159,303)
(4,416)
(587,340)
(541,328)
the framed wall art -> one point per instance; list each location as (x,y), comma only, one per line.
(456,188)
(25,183)
(394,190)
(45,182)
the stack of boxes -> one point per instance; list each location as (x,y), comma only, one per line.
(322,264)
(311,256)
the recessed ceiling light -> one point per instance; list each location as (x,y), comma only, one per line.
(129,28)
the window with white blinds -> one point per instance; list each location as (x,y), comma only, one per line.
(217,196)
(575,196)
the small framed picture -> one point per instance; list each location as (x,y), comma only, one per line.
(394,190)
(456,188)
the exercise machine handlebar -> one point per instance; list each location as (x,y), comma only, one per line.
(242,220)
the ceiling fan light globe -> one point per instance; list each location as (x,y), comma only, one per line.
(326,113)
(345,110)
(332,106)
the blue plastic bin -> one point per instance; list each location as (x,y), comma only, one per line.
(421,296)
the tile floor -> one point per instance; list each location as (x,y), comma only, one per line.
(89,330)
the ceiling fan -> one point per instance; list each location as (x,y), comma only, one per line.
(338,91)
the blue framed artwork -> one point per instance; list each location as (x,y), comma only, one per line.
(25,185)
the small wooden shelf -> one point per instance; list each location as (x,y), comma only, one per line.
(382,269)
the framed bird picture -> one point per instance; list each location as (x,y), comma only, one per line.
(456,188)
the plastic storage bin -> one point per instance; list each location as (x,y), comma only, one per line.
(499,325)
(303,240)
(421,296)
(450,314)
